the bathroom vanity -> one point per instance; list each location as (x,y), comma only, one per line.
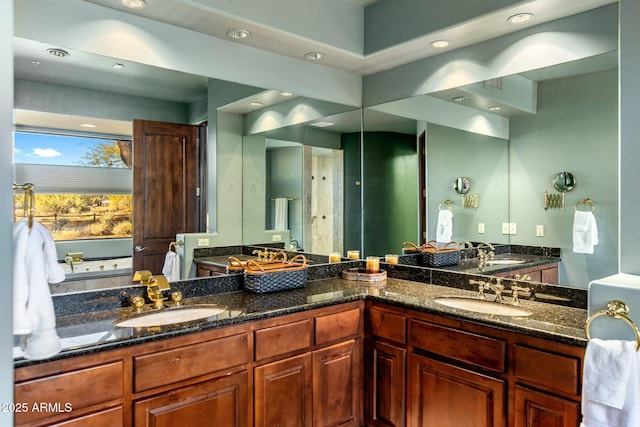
(336,352)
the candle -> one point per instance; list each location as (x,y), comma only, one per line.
(335,257)
(373,264)
(391,259)
(355,254)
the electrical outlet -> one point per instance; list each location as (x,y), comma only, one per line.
(540,230)
(203,242)
(276,237)
(512,228)
(505,228)
(481,228)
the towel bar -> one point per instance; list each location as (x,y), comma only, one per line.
(616,310)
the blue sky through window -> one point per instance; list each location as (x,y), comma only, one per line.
(46,149)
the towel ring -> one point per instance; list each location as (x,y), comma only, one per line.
(445,202)
(615,310)
(586,201)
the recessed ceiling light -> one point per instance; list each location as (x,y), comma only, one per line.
(314,56)
(87,125)
(134,4)
(322,124)
(118,66)
(35,62)
(286,94)
(520,18)
(460,98)
(60,53)
(439,44)
(494,108)
(238,34)
(255,103)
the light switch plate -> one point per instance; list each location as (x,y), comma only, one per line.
(276,237)
(203,242)
(481,228)
(513,229)
(540,230)
(505,228)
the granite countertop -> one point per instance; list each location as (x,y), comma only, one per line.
(95,331)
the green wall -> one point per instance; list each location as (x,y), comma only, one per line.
(352,191)
(390,185)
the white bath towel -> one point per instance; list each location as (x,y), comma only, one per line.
(611,384)
(281,214)
(585,232)
(444,229)
(37,267)
(21,323)
(171,268)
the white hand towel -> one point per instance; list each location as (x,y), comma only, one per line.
(281,214)
(444,229)
(41,268)
(585,232)
(171,268)
(611,384)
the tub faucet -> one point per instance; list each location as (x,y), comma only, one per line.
(69,261)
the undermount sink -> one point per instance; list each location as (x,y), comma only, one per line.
(505,261)
(170,316)
(482,306)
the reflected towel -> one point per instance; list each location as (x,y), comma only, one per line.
(171,268)
(36,268)
(281,214)
(585,232)
(611,385)
(444,229)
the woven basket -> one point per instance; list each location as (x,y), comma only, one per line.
(234,265)
(409,248)
(273,277)
(433,256)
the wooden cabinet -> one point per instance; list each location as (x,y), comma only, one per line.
(313,370)
(219,402)
(207,270)
(461,373)
(385,368)
(443,395)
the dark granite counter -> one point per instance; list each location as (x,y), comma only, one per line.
(92,329)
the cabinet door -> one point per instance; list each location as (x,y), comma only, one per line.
(442,395)
(386,384)
(221,402)
(536,409)
(337,385)
(282,393)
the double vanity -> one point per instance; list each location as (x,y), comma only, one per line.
(336,352)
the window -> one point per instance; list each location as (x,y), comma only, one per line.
(83,184)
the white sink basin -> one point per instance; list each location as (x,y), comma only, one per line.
(482,306)
(169,316)
(505,261)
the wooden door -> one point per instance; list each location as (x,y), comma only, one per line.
(221,402)
(536,409)
(442,395)
(386,384)
(165,185)
(337,385)
(282,393)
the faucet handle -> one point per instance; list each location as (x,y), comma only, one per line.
(515,290)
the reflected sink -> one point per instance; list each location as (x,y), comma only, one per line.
(505,261)
(170,316)
(482,306)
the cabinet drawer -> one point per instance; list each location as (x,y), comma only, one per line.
(336,326)
(76,390)
(388,325)
(170,366)
(552,371)
(112,417)
(467,347)
(282,339)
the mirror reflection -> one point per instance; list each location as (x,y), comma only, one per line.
(568,121)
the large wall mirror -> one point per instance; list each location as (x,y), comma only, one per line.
(510,136)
